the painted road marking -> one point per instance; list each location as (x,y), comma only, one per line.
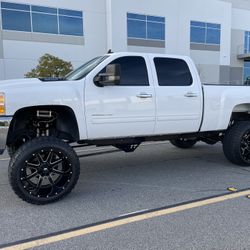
(141,216)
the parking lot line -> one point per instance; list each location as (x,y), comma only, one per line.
(122,220)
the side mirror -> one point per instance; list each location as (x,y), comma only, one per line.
(110,78)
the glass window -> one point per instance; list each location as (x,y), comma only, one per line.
(213,36)
(45,23)
(16,20)
(136,16)
(156,31)
(247,72)
(172,72)
(44,9)
(85,69)
(205,33)
(198,24)
(213,26)
(156,19)
(15,6)
(70,13)
(133,71)
(145,27)
(136,29)
(33,18)
(247,42)
(198,35)
(71,26)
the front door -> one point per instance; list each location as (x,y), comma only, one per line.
(127,109)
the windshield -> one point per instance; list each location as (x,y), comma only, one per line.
(85,69)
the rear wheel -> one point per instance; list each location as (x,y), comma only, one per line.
(236,144)
(44,170)
(183,143)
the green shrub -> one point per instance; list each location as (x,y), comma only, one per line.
(50,66)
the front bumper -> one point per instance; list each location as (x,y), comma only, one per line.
(4,129)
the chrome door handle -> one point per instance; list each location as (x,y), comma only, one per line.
(191,94)
(144,95)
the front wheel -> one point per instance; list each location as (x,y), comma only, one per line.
(44,170)
(183,143)
(236,143)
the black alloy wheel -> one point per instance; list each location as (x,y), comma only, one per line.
(236,143)
(245,147)
(44,170)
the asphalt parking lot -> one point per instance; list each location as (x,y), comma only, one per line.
(114,184)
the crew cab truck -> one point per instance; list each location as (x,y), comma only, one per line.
(119,99)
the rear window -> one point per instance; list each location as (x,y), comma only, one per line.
(172,72)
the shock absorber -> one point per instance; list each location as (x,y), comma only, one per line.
(44,121)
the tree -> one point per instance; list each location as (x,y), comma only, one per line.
(50,66)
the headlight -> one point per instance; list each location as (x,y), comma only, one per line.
(2,104)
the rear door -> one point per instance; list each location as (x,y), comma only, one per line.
(124,110)
(178,96)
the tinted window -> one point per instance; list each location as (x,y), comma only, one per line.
(133,71)
(172,72)
(71,26)
(136,29)
(145,27)
(16,20)
(33,18)
(15,6)
(247,42)
(43,9)
(205,33)
(45,23)
(156,31)
(70,13)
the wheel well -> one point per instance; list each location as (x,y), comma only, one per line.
(241,112)
(63,123)
(239,116)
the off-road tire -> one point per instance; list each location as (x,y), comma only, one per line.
(233,143)
(11,151)
(29,149)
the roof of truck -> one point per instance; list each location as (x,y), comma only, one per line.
(148,54)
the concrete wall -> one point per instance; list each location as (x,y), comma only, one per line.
(239,4)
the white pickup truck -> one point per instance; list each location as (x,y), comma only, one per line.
(119,99)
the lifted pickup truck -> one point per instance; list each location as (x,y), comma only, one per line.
(119,99)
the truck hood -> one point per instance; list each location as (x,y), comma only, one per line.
(7,84)
(23,93)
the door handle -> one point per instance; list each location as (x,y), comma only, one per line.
(191,94)
(144,95)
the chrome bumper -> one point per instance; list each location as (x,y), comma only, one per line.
(4,129)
